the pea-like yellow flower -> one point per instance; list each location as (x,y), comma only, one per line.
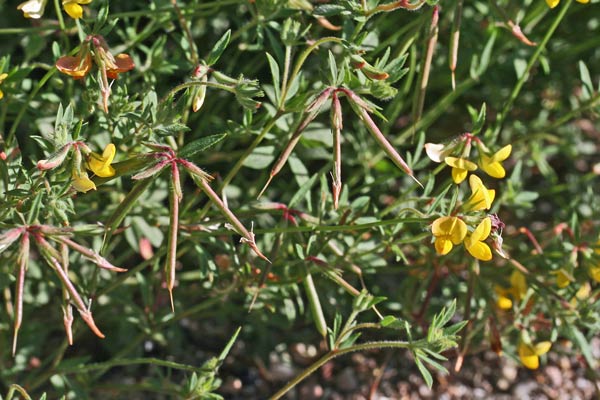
(2,78)
(563,278)
(554,3)
(81,182)
(460,168)
(594,273)
(516,291)
(100,164)
(492,164)
(33,8)
(481,197)
(73,8)
(530,354)
(475,242)
(448,231)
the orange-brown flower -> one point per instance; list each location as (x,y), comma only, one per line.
(122,63)
(76,66)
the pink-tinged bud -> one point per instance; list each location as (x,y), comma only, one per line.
(159,147)
(146,251)
(353,97)
(194,169)
(3,156)
(357,61)
(151,170)
(518,33)
(328,25)
(200,71)
(200,94)
(318,102)
(55,159)
(176,181)
(68,322)
(9,237)
(337,117)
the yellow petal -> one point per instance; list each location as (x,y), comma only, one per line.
(518,284)
(503,153)
(562,279)
(82,183)
(542,348)
(504,303)
(481,198)
(552,3)
(460,163)
(483,230)
(493,169)
(100,165)
(583,1)
(1,94)
(528,356)
(459,175)
(452,228)
(479,250)
(73,9)
(595,273)
(443,246)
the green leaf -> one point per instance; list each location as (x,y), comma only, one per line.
(586,79)
(478,124)
(424,372)
(171,129)
(327,10)
(196,146)
(260,158)
(276,76)
(218,49)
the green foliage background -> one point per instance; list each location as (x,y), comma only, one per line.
(541,99)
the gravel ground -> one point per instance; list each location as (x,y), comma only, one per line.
(392,375)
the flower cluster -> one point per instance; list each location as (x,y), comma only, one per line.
(34,9)
(554,3)
(453,229)
(3,76)
(84,159)
(110,66)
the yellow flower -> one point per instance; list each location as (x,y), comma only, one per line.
(448,231)
(492,164)
(81,182)
(595,273)
(554,3)
(530,354)
(100,164)
(474,243)
(32,8)
(460,168)
(481,198)
(73,8)
(2,78)
(516,291)
(563,279)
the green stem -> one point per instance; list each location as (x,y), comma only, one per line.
(525,75)
(16,388)
(188,34)
(132,361)
(336,353)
